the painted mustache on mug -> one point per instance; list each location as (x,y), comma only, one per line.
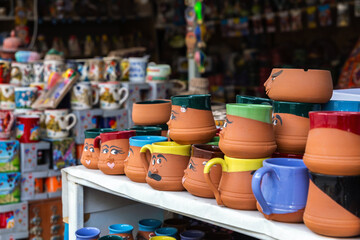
(154,176)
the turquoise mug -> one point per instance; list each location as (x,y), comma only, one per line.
(166,231)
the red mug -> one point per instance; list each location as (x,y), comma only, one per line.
(28,128)
(6,122)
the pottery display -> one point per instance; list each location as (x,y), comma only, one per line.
(122,230)
(280,188)
(87,233)
(6,123)
(147,228)
(247,132)
(192,235)
(191,119)
(59,122)
(25,96)
(291,125)
(7,97)
(179,223)
(146,130)
(333,205)
(82,96)
(253,100)
(166,231)
(234,190)
(299,85)
(112,96)
(28,128)
(166,166)
(151,112)
(193,180)
(333,143)
(134,168)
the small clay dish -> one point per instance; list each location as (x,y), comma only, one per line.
(151,112)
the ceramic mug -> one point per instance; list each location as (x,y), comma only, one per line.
(5,71)
(83,70)
(122,230)
(110,95)
(82,96)
(162,238)
(166,231)
(281,188)
(113,151)
(134,169)
(234,190)
(192,235)
(28,128)
(96,69)
(147,228)
(111,237)
(21,73)
(137,71)
(38,72)
(7,97)
(253,100)
(340,105)
(51,66)
(58,123)
(146,130)
(166,166)
(25,96)
(87,233)
(151,112)
(125,68)
(6,122)
(112,69)
(157,72)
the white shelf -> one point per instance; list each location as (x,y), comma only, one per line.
(251,223)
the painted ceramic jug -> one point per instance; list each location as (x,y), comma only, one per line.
(191,119)
(151,112)
(122,230)
(247,132)
(291,125)
(147,228)
(193,180)
(234,190)
(166,166)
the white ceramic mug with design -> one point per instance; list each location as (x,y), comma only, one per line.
(21,73)
(112,96)
(58,123)
(53,66)
(137,71)
(7,97)
(82,96)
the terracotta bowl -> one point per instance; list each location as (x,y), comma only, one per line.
(151,112)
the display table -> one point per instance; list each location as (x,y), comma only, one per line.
(251,223)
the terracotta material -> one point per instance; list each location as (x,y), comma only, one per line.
(191,120)
(151,112)
(295,217)
(122,230)
(299,85)
(194,180)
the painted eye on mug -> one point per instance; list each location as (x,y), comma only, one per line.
(158,160)
(85,148)
(129,154)
(105,150)
(92,149)
(172,117)
(114,152)
(153,162)
(191,166)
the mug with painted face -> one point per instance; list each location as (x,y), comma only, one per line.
(122,230)
(113,151)
(82,96)
(58,123)
(166,166)
(147,228)
(112,96)
(253,100)
(25,96)
(7,97)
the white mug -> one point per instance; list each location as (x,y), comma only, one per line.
(38,72)
(137,72)
(82,96)
(58,123)
(110,95)
(159,72)
(52,66)
(7,97)
(21,73)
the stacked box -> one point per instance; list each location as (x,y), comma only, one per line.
(9,156)
(35,156)
(63,153)
(16,220)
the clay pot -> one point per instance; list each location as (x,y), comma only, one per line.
(151,112)
(333,144)
(253,100)
(333,205)
(166,166)
(147,228)
(291,125)
(299,85)
(146,130)
(122,230)
(114,150)
(179,223)
(191,120)
(134,168)
(194,180)
(248,132)
(234,190)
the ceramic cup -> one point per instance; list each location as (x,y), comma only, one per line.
(25,96)
(281,189)
(146,130)
(7,97)
(5,71)
(193,180)
(122,230)
(38,72)
(82,96)
(6,123)
(247,132)
(166,166)
(137,71)
(333,205)
(134,168)
(113,151)
(125,68)
(58,123)
(112,69)
(51,66)
(192,235)
(157,72)
(28,128)
(166,231)
(339,105)
(253,100)
(83,69)
(112,96)
(111,237)
(22,74)
(87,233)
(151,112)
(147,228)
(96,69)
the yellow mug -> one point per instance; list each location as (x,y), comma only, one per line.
(162,238)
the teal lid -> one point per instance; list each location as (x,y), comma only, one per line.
(296,108)
(253,100)
(201,101)
(146,131)
(153,102)
(94,132)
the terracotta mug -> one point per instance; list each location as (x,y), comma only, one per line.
(6,123)
(333,205)
(151,112)
(247,132)
(234,190)
(253,100)
(166,166)
(59,122)
(193,180)
(122,230)
(5,71)
(28,128)
(114,150)
(7,97)
(82,96)
(134,168)
(147,228)
(333,143)
(87,233)
(291,125)
(112,96)
(191,119)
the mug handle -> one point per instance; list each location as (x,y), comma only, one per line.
(207,168)
(97,142)
(11,121)
(67,118)
(145,161)
(256,188)
(125,97)
(96,100)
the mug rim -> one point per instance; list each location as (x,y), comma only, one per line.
(96,231)
(28,116)
(127,227)
(277,162)
(25,88)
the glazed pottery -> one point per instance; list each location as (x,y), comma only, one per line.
(191,119)
(164,129)
(151,112)
(166,166)
(5,71)
(112,69)
(333,143)
(146,130)
(111,237)
(82,96)
(58,123)
(192,235)
(28,128)
(51,66)
(122,230)
(193,180)
(7,97)
(162,238)
(6,123)
(214,141)
(114,150)
(38,72)
(280,188)
(253,100)
(21,73)
(234,190)
(247,132)
(25,96)
(291,125)
(166,231)
(147,228)
(179,223)
(95,69)
(286,155)
(299,85)
(137,70)
(134,168)
(112,96)
(87,233)
(339,105)
(157,72)
(333,205)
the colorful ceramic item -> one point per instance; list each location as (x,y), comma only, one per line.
(280,188)
(253,100)
(166,231)
(234,190)
(58,123)
(146,130)
(191,120)
(96,69)
(112,69)
(22,74)
(339,105)
(151,112)
(137,70)
(28,128)
(166,166)
(87,233)
(147,228)
(7,97)
(247,132)
(192,235)
(82,96)
(25,96)
(5,71)
(6,123)
(122,230)
(51,66)
(112,96)
(38,72)
(9,156)
(157,72)
(193,180)
(111,237)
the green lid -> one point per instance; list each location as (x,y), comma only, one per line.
(213,143)
(201,102)
(257,112)
(146,131)
(94,132)
(215,139)
(299,109)
(164,127)
(253,100)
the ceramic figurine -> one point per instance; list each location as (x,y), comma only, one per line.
(147,228)
(151,112)
(122,230)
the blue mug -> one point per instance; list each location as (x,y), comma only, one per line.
(166,231)
(280,188)
(122,230)
(340,105)
(87,233)
(149,225)
(25,96)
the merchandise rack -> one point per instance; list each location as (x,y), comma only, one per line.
(252,223)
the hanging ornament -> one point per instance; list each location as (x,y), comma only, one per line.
(200,60)
(190,41)
(198,12)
